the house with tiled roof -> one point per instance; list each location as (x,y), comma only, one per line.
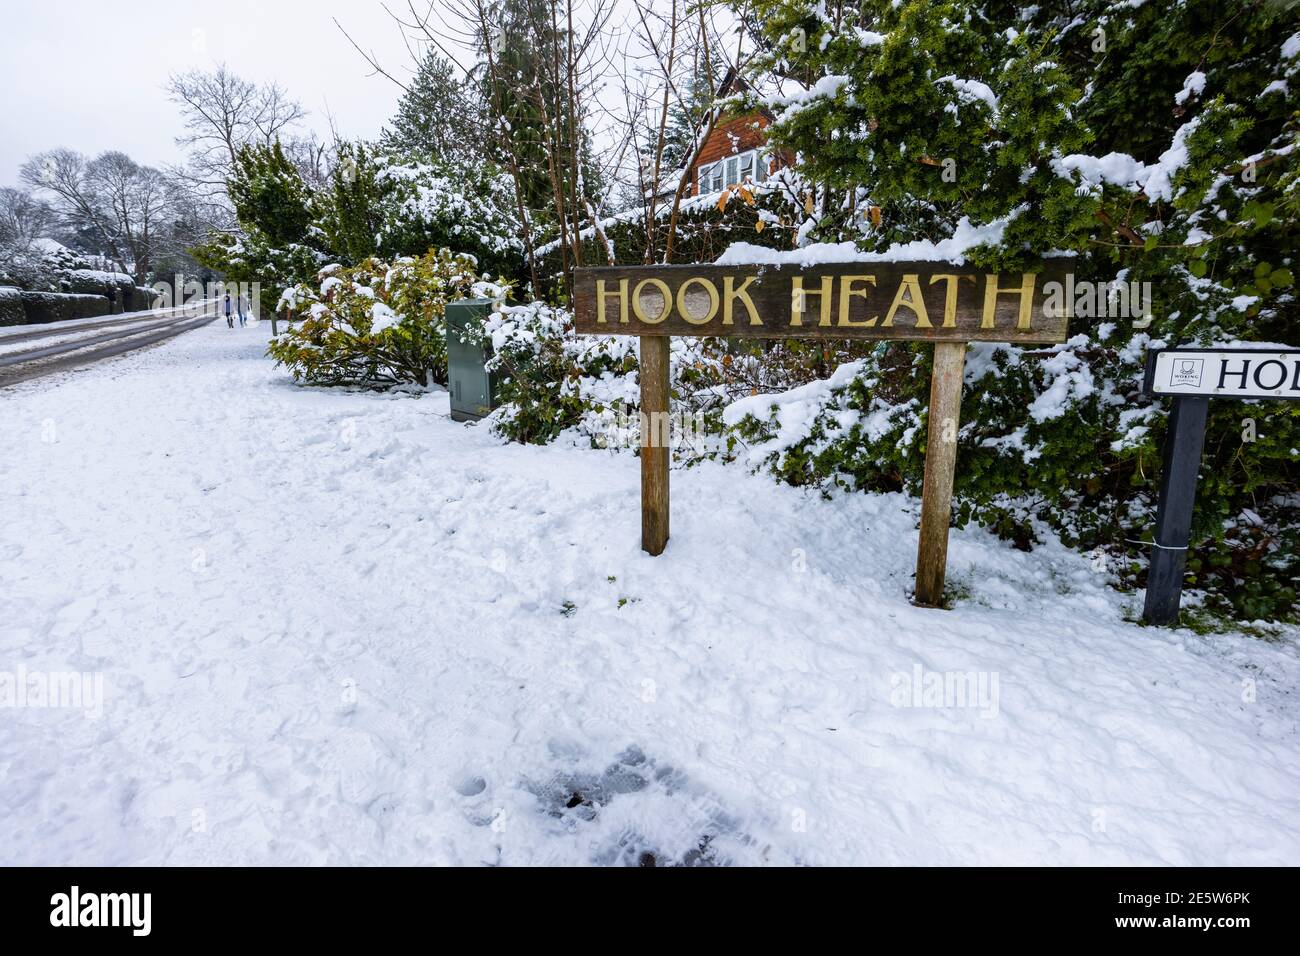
(735,149)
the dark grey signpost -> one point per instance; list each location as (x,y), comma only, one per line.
(1192,377)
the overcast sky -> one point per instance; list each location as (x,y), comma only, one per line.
(90,76)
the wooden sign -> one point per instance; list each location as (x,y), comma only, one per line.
(924,301)
(1192,377)
(919,301)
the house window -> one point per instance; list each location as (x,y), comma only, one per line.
(750,165)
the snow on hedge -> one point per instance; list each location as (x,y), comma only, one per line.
(426,197)
(953,249)
(1120,169)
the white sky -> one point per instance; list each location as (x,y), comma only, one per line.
(89,75)
(77,73)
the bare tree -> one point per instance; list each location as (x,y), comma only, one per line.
(123,204)
(679,55)
(568,49)
(223,112)
(313,158)
(24,218)
(665,53)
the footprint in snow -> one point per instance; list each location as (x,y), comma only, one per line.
(365,770)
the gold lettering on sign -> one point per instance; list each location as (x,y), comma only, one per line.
(911,284)
(1026,291)
(665,296)
(950,298)
(846,293)
(799,300)
(730,295)
(621,295)
(683,299)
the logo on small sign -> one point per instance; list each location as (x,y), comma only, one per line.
(1186,372)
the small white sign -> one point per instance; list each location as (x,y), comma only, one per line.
(1239,373)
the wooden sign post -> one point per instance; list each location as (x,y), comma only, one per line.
(656,401)
(1192,377)
(940,470)
(916,301)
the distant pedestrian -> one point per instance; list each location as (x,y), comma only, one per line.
(243,310)
(230,319)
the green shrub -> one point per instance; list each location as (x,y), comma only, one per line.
(11,306)
(374,325)
(1167,159)
(549,379)
(42,307)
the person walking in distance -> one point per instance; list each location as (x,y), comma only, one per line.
(243,311)
(230,319)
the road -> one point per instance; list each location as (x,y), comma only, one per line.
(32,351)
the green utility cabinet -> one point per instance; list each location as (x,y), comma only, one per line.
(470,383)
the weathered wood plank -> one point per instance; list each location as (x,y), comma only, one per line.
(925,301)
(940,467)
(655,445)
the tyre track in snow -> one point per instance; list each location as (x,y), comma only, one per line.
(26,333)
(33,363)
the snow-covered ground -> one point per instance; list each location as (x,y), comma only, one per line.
(340,628)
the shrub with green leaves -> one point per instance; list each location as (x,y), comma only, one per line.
(552,382)
(549,379)
(1153,142)
(371,206)
(278,245)
(470,209)
(374,325)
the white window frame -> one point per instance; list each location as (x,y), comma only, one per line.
(733,170)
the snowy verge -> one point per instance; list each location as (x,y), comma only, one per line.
(339,628)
